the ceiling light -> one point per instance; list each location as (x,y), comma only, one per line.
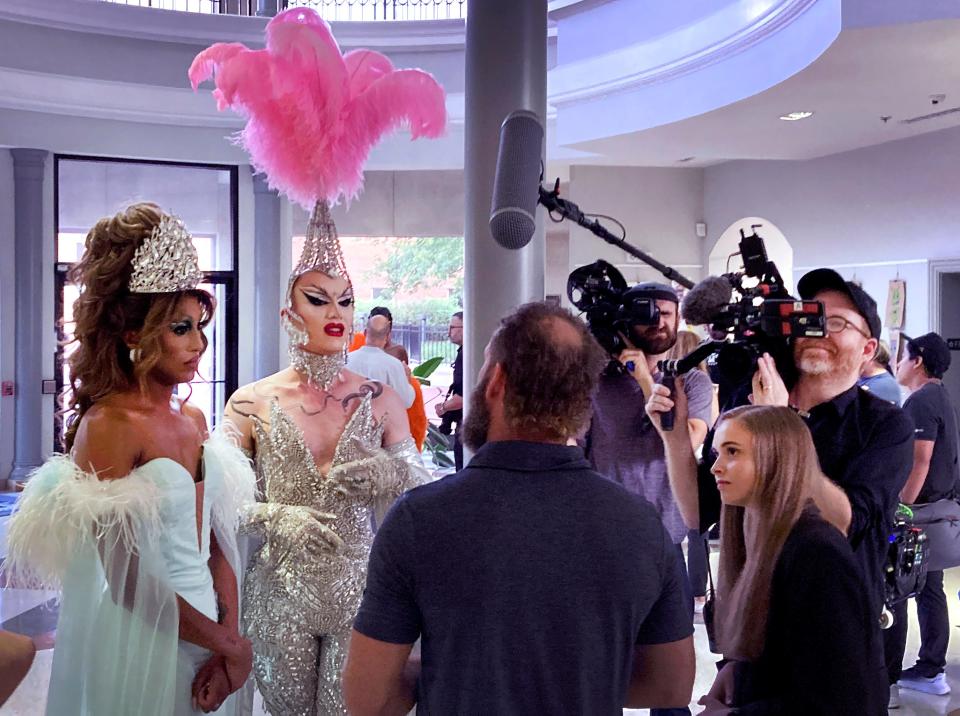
(794,116)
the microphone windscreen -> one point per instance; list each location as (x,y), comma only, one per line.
(516,185)
(705,300)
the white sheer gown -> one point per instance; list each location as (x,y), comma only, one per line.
(121,551)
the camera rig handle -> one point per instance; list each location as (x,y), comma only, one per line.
(679,366)
(568,210)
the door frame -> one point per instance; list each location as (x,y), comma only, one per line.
(938,267)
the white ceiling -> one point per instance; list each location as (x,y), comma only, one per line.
(865,74)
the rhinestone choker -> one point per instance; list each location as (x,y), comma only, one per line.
(320,370)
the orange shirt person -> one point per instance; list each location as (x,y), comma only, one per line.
(416,413)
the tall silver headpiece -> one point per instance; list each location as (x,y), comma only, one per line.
(321,252)
(321,248)
(167,261)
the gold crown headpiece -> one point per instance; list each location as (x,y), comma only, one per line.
(166,262)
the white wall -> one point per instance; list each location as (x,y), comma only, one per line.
(873,213)
(7,314)
(659,208)
(421,203)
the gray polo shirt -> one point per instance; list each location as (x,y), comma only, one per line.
(624,446)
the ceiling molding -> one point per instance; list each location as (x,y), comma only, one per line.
(658,60)
(124,101)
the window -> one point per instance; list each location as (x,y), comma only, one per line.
(205,197)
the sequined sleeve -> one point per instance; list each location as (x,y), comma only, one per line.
(410,469)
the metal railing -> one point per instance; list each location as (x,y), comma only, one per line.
(331,10)
(421,340)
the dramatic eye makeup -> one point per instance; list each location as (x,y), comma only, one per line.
(314,299)
(322,298)
(182,327)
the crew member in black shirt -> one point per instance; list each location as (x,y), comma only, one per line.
(864,444)
(935,476)
(451,409)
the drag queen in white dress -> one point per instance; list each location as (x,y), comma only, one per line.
(329,445)
(137,525)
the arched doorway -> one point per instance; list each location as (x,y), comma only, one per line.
(778,248)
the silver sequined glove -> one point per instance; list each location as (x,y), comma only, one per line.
(291,528)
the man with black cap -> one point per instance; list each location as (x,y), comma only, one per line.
(935,476)
(622,444)
(864,443)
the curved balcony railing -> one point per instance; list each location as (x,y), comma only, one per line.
(331,10)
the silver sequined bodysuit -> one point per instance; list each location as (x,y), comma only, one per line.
(303,586)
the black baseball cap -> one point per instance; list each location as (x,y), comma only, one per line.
(825,279)
(934,351)
(652,289)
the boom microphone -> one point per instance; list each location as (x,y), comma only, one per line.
(517,181)
(705,300)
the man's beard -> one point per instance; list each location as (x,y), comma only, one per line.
(476,425)
(651,341)
(832,364)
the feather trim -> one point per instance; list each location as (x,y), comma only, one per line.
(239,480)
(63,508)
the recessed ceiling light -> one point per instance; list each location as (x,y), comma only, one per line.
(794,116)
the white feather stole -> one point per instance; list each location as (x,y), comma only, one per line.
(62,507)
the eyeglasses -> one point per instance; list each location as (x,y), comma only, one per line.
(838,324)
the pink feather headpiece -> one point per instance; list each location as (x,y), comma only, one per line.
(313,114)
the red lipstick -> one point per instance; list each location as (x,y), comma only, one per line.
(334,329)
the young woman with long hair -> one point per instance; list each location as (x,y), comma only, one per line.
(137,525)
(793,618)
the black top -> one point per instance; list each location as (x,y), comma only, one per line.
(456,387)
(865,445)
(934,419)
(530,578)
(822,651)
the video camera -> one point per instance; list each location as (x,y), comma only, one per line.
(611,308)
(749,313)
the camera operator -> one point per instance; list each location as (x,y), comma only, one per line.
(935,476)
(864,444)
(622,443)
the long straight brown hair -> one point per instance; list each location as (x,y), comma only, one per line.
(787,474)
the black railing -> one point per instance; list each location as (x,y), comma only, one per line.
(421,340)
(332,10)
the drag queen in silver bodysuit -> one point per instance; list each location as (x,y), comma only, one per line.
(327,444)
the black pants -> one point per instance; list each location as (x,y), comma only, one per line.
(457,450)
(934,632)
(697,549)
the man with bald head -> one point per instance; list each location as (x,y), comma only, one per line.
(537,585)
(373,362)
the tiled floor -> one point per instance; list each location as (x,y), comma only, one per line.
(34,613)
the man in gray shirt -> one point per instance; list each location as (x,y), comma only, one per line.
(623,445)
(371,361)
